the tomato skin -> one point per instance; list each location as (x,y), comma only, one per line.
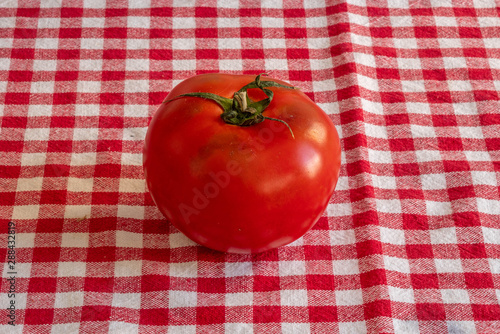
(240,189)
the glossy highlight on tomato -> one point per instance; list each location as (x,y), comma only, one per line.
(244,172)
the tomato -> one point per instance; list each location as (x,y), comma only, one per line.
(240,164)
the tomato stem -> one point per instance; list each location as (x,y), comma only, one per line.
(241,110)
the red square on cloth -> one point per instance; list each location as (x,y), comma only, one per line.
(424,281)
(387,73)
(71,12)
(450,144)
(210,315)
(478,280)
(319,314)
(38,316)
(70,33)
(8,199)
(28,12)
(419,251)
(205,12)
(369,247)
(472,251)
(415,222)
(380,308)
(373,278)
(151,283)
(115,32)
(42,284)
(426,32)
(17,98)
(430,311)
(465,219)
(155,317)
(266,283)
(161,254)
(320,282)
(366,218)
(20,76)
(111,76)
(381,32)
(211,285)
(46,254)
(96,313)
(101,254)
(486,312)
(104,198)
(99,284)
(160,33)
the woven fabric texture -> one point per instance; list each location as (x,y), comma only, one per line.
(410,240)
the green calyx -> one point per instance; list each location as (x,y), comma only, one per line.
(241,110)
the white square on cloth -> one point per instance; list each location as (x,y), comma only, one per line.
(25,212)
(85,134)
(183,23)
(239,299)
(72,327)
(388,205)
(349,297)
(69,299)
(184,269)
(128,239)
(138,22)
(75,240)
(401,295)
(88,86)
(405,326)
(392,236)
(128,268)
(461,326)
(397,264)
(42,87)
(128,300)
(230,65)
(292,268)
(455,296)
(94,4)
(293,297)
(182,298)
(384,182)
(448,266)
(346,267)
(184,44)
(71,269)
(188,329)
(29,184)
(491,235)
(139,4)
(438,208)
(92,43)
(357,327)
(294,328)
(445,235)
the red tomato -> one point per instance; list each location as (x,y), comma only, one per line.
(241,188)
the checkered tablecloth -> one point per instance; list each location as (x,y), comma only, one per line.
(409,243)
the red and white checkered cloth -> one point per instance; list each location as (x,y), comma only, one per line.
(410,241)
